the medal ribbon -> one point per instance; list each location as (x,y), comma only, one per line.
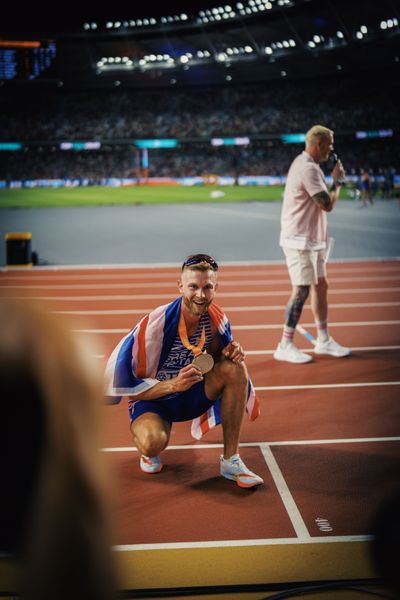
(197,350)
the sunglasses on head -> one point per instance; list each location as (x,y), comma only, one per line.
(195,259)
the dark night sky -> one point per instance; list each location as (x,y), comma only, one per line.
(71,13)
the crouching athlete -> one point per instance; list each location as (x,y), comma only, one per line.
(180,363)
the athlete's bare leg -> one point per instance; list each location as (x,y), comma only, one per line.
(229,381)
(150,434)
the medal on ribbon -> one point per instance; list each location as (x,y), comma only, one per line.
(202,360)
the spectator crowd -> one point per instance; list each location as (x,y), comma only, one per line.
(262,112)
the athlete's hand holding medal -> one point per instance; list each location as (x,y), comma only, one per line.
(202,360)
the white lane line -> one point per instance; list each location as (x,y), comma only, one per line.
(34,275)
(353,348)
(255,327)
(269,352)
(171,284)
(324,386)
(235,543)
(288,501)
(167,298)
(331,324)
(174,265)
(203,446)
(227,309)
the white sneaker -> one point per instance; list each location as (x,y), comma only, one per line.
(332,348)
(150,464)
(235,469)
(291,353)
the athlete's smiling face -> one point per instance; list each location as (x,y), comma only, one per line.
(198,290)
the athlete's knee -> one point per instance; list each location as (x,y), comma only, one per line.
(232,373)
(150,442)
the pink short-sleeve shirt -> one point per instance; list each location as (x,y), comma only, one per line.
(303,223)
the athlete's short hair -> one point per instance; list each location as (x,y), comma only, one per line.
(200,262)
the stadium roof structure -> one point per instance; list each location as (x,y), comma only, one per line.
(201,43)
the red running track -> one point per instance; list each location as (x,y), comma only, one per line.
(327,442)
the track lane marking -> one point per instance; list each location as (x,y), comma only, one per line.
(170,284)
(203,446)
(173,265)
(33,275)
(269,352)
(323,386)
(227,309)
(255,327)
(167,297)
(251,542)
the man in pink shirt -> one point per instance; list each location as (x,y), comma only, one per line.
(304,240)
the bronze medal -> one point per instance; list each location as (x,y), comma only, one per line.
(204,361)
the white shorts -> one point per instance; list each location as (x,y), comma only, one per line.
(305,266)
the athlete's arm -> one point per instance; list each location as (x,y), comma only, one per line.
(186,377)
(233,351)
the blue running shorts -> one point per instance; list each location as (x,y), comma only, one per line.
(182,407)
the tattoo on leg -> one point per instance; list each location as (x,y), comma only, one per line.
(295,305)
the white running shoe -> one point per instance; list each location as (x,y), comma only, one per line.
(332,348)
(150,464)
(235,469)
(291,353)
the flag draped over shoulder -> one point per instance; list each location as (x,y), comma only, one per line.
(133,364)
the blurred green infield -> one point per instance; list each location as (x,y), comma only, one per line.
(101,196)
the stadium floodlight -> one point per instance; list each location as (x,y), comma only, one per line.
(268,50)
(364,29)
(359,35)
(184,59)
(248,49)
(340,35)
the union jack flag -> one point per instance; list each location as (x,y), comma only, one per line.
(133,364)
